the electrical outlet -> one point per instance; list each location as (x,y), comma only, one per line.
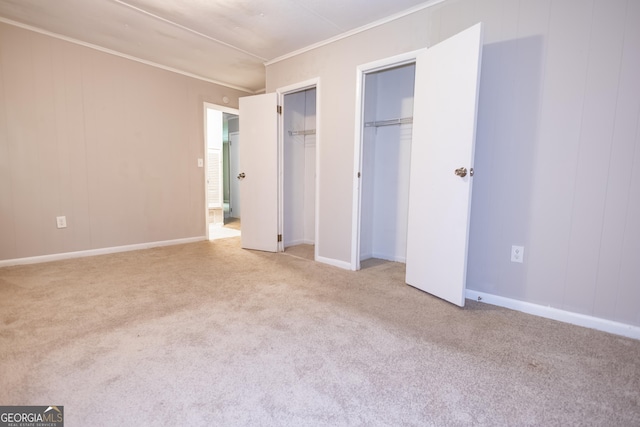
(61,221)
(517,254)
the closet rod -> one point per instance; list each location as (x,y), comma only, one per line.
(302,132)
(391,122)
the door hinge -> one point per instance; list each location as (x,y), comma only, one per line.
(359,174)
(279,237)
(279,109)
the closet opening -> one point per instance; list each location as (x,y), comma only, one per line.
(386,132)
(299,173)
(412,199)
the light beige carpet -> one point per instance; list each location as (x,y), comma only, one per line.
(301,251)
(210,334)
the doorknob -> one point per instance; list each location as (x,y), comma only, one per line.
(461,172)
(241,175)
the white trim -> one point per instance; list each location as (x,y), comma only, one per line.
(299,87)
(281,92)
(333,262)
(361,70)
(222,109)
(102,251)
(294,243)
(389,257)
(125,56)
(188,29)
(390,62)
(353,32)
(548,312)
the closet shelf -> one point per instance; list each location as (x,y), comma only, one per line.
(391,122)
(302,132)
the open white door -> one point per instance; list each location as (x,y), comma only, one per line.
(444,130)
(259,172)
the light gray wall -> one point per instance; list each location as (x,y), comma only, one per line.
(109,143)
(558,145)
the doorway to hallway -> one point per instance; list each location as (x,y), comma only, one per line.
(221,167)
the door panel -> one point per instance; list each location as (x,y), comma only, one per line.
(445,104)
(259,164)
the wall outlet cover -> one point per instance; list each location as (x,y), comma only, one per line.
(517,254)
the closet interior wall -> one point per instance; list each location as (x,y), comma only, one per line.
(386,158)
(299,172)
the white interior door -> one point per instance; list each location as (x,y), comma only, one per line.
(259,172)
(445,104)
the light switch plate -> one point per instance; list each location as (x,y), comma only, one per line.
(200,163)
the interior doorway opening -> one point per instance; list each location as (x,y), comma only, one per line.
(298,182)
(387,122)
(230,146)
(221,166)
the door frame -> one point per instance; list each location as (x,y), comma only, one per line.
(234,185)
(361,72)
(223,109)
(281,92)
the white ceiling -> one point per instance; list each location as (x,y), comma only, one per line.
(225,41)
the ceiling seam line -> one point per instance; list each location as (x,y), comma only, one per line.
(324,18)
(175,24)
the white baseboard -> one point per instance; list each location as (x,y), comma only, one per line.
(557,314)
(299,242)
(92,252)
(387,257)
(293,243)
(334,262)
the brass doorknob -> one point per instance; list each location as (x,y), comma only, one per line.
(461,172)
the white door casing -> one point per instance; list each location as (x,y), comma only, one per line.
(445,110)
(212,119)
(234,170)
(282,93)
(362,71)
(259,172)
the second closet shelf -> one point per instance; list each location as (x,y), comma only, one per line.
(302,132)
(390,122)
